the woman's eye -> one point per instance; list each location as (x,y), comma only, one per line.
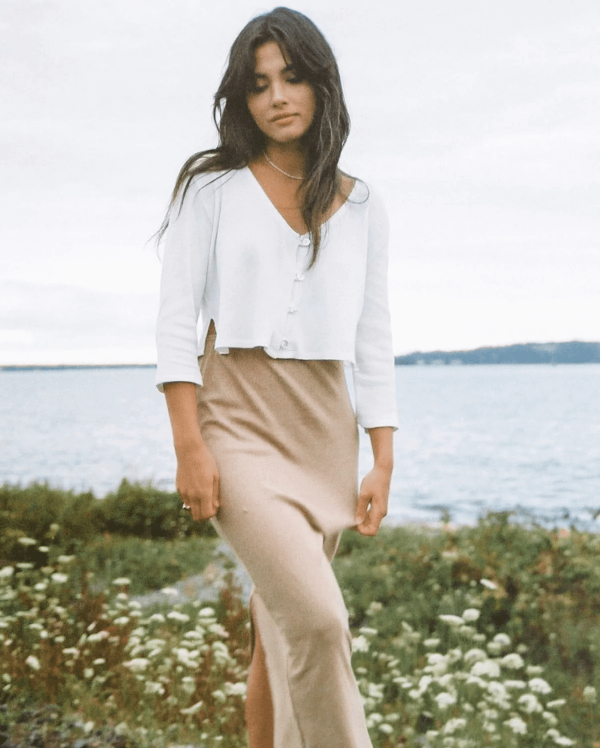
(258,88)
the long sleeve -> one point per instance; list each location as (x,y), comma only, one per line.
(374,375)
(183,281)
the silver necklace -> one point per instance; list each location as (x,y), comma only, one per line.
(291,176)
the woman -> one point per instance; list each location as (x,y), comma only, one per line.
(284,260)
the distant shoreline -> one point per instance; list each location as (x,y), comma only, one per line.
(67,367)
(574,352)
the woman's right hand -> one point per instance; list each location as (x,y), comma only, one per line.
(197,481)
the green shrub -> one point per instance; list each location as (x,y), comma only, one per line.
(70,521)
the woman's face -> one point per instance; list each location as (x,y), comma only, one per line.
(282,106)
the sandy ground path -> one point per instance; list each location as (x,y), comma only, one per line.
(205,586)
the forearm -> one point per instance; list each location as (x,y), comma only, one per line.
(181,404)
(382,444)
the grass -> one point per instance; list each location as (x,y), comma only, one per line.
(463,637)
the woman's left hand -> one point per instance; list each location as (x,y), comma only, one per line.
(373,500)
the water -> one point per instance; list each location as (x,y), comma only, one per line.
(472,438)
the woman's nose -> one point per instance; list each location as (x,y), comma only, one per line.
(278,95)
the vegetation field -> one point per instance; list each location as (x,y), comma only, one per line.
(465,637)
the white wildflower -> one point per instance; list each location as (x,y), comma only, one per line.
(121,581)
(217,629)
(189,684)
(219,696)
(561,740)
(65,559)
(550,718)
(6,571)
(513,661)
(193,635)
(122,620)
(534,670)
(556,703)
(360,644)
(234,689)
(445,699)
(151,687)
(27,541)
(558,739)
(98,636)
(373,719)
(192,709)
(451,620)
(206,613)
(158,617)
(175,615)
(475,655)
(454,724)
(475,680)
(33,662)
(375,691)
(99,661)
(589,695)
(517,725)
(539,685)
(471,614)
(137,665)
(88,673)
(155,643)
(486,667)
(59,578)
(503,640)
(368,631)
(431,643)
(515,684)
(529,703)
(385,728)
(497,691)
(488,584)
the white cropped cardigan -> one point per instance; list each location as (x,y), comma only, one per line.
(230,256)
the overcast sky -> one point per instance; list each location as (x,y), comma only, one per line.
(478,120)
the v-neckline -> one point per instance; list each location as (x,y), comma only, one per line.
(281,217)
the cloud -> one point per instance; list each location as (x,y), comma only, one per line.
(477,120)
(70,324)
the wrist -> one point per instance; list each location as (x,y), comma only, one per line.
(188,444)
(384,465)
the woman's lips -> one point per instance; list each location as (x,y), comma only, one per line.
(283,119)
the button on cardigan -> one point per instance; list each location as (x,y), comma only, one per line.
(230,256)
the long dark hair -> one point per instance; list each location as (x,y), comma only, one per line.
(241,141)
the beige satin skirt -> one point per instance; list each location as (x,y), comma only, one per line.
(285,439)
